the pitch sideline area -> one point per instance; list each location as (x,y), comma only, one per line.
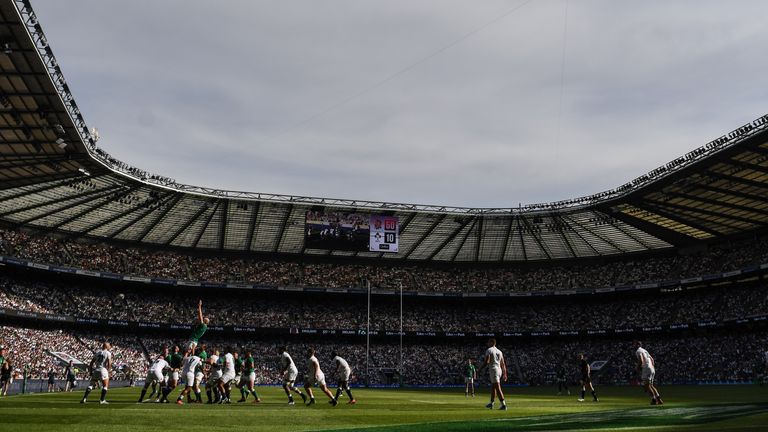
(713,408)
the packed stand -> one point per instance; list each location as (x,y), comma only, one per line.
(243,308)
(586,274)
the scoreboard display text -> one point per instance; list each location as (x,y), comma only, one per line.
(384,234)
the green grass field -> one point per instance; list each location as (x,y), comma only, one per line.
(708,408)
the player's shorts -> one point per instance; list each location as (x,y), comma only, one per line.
(648,375)
(468,380)
(175,376)
(316,381)
(586,379)
(198,378)
(227,377)
(99,374)
(155,376)
(238,379)
(344,375)
(494,373)
(189,379)
(290,376)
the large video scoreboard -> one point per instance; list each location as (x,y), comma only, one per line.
(351,232)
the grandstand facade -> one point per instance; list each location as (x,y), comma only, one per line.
(56,178)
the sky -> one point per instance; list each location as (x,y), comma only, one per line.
(462,103)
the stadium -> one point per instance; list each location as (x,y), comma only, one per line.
(95,250)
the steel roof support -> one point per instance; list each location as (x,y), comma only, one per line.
(536,238)
(149,210)
(94,207)
(252,224)
(283,226)
(463,240)
(223,224)
(205,226)
(187,224)
(86,198)
(508,234)
(450,237)
(678,219)
(424,236)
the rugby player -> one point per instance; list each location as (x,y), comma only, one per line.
(227,376)
(175,362)
(586,378)
(189,372)
(155,375)
(214,373)
(342,372)
(289,372)
(647,368)
(99,368)
(248,379)
(199,329)
(497,371)
(470,375)
(316,377)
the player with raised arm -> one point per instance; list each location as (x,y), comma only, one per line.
(647,368)
(342,373)
(289,372)
(470,375)
(99,369)
(316,377)
(199,329)
(586,378)
(154,375)
(497,371)
(191,363)
(247,384)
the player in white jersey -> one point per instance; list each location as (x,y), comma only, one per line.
(227,376)
(497,371)
(647,368)
(214,373)
(99,368)
(316,377)
(289,372)
(342,372)
(188,372)
(155,375)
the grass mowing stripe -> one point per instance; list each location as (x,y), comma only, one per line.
(392,410)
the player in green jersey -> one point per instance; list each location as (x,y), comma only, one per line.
(470,375)
(175,362)
(199,329)
(248,378)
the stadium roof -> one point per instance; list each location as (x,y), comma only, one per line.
(53,176)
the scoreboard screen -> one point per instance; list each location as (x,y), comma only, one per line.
(384,234)
(351,232)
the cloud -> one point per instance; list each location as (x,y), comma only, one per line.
(282,97)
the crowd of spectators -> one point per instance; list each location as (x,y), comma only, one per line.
(168,264)
(243,308)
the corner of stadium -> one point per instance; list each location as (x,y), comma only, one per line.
(93,249)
